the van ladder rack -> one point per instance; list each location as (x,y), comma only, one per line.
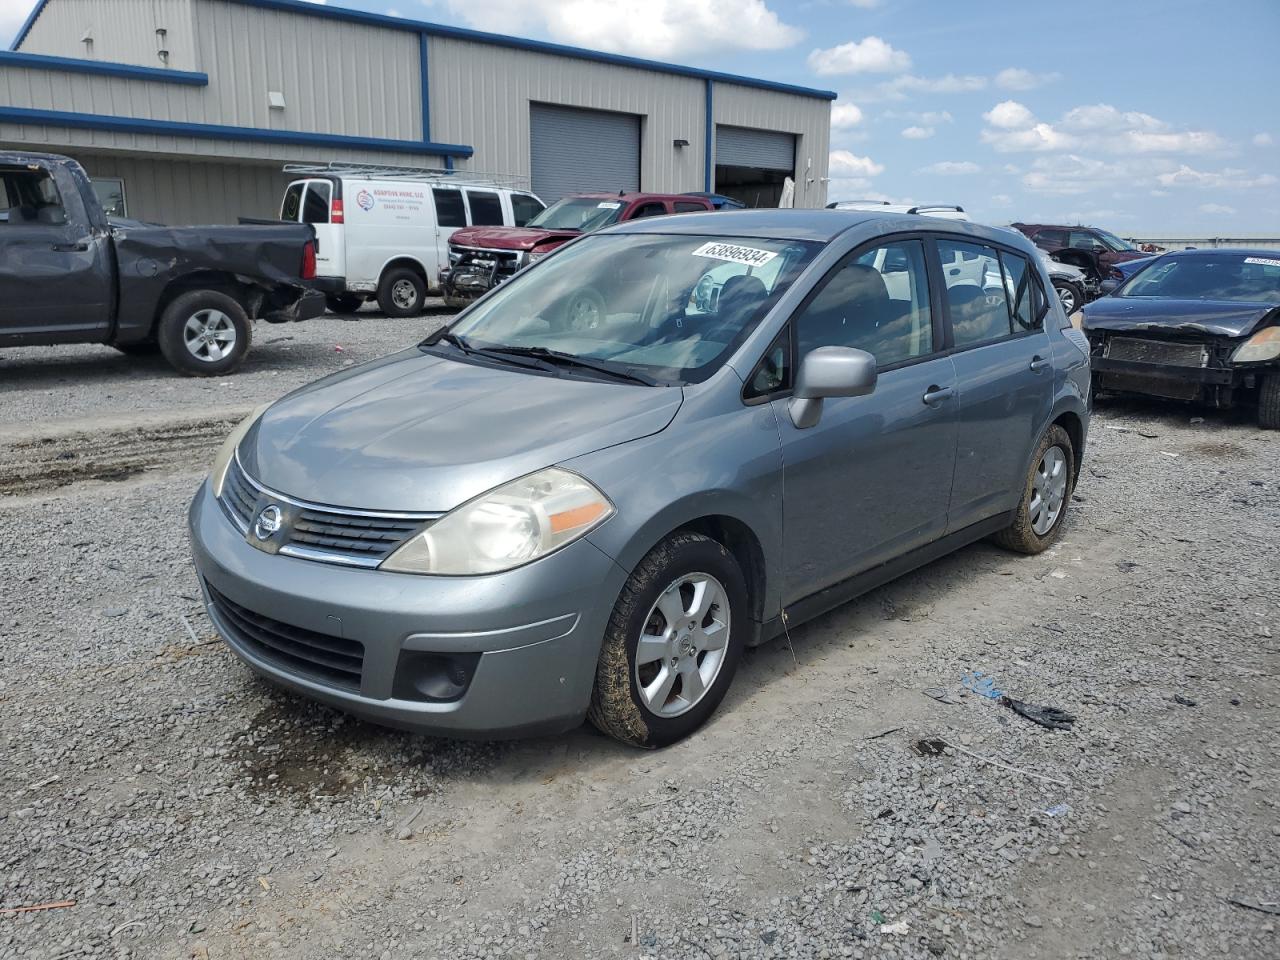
(379,171)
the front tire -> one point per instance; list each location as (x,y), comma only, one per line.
(1069,295)
(1046,494)
(1269,402)
(672,644)
(402,293)
(204,333)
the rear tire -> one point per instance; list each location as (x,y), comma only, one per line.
(1269,402)
(204,333)
(630,701)
(343,302)
(1069,295)
(1046,494)
(402,293)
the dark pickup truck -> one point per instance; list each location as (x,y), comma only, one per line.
(68,274)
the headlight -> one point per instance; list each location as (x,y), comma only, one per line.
(518,522)
(218,472)
(1077,319)
(1261,347)
(533,256)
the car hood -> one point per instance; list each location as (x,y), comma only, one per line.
(1219,317)
(509,238)
(420,432)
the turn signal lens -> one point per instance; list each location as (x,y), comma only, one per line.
(1261,347)
(512,525)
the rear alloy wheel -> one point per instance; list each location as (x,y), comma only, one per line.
(1069,295)
(672,644)
(402,293)
(1269,402)
(1037,522)
(204,333)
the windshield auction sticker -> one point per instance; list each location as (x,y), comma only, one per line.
(751,256)
(1263,261)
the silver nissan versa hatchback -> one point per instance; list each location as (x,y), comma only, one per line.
(599,484)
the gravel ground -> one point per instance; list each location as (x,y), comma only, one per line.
(830,809)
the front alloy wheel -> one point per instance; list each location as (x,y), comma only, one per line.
(682,649)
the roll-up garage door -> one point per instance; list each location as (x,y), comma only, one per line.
(761,149)
(578,151)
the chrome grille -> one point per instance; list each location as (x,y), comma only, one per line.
(359,538)
(331,659)
(1165,352)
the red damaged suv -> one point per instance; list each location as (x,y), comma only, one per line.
(482,257)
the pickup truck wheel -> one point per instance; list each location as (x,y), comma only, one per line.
(1037,522)
(672,644)
(343,302)
(1269,402)
(204,333)
(401,293)
(1069,295)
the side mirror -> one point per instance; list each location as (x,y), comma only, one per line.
(830,372)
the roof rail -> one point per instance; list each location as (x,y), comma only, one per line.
(921,208)
(380,171)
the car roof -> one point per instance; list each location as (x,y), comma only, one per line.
(1054,226)
(820,225)
(628,197)
(1215,251)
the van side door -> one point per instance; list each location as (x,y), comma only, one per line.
(1004,376)
(451,215)
(57,267)
(322,207)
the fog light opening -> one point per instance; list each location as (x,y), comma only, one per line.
(434,677)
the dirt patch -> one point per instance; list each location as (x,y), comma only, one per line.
(1220,450)
(41,464)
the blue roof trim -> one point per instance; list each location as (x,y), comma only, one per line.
(36,61)
(517,43)
(28,24)
(209,131)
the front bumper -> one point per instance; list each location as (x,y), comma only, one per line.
(536,630)
(1179,369)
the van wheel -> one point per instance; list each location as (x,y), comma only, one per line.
(204,333)
(401,293)
(1046,494)
(1269,402)
(672,644)
(343,302)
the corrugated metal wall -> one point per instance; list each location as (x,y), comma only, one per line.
(123,31)
(807,117)
(480,95)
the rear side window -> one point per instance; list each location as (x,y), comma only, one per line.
(976,293)
(486,208)
(1020,290)
(315,207)
(524,208)
(649,210)
(686,206)
(1051,238)
(30,198)
(1083,240)
(449,209)
(292,205)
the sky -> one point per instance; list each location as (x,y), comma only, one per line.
(1148,118)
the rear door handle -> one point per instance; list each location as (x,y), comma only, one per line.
(935,395)
(80,247)
(1038,363)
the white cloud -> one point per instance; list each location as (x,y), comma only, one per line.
(1216,208)
(1262,139)
(1012,127)
(1016,78)
(870,55)
(1227,179)
(1159,193)
(951,168)
(1001,200)
(865,4)
(918,133)
(907,85)
(645,28)
(842,163)
(845,115)
(1072,174)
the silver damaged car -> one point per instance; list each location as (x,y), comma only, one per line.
(597,486)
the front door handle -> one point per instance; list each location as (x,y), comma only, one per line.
(80,247)
(935,395)
(1038,363)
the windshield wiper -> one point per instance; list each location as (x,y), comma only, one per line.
(569,360)
(500,356)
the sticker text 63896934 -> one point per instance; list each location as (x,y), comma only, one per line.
(734,253)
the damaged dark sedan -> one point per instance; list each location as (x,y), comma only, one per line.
(1197,325)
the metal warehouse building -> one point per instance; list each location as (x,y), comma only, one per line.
(185,110)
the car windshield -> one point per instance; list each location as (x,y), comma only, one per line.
(654,307)
(1233,277)
(578,213)
(1115,243)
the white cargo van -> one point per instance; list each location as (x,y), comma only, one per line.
(383,233)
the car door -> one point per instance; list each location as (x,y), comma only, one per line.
(322,208)
(57,271)
(451,215)
(524,207)
(872,479)
(1004,378)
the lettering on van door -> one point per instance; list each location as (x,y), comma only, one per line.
(401,202)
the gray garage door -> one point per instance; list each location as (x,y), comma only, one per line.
(762,149)
(575,151)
